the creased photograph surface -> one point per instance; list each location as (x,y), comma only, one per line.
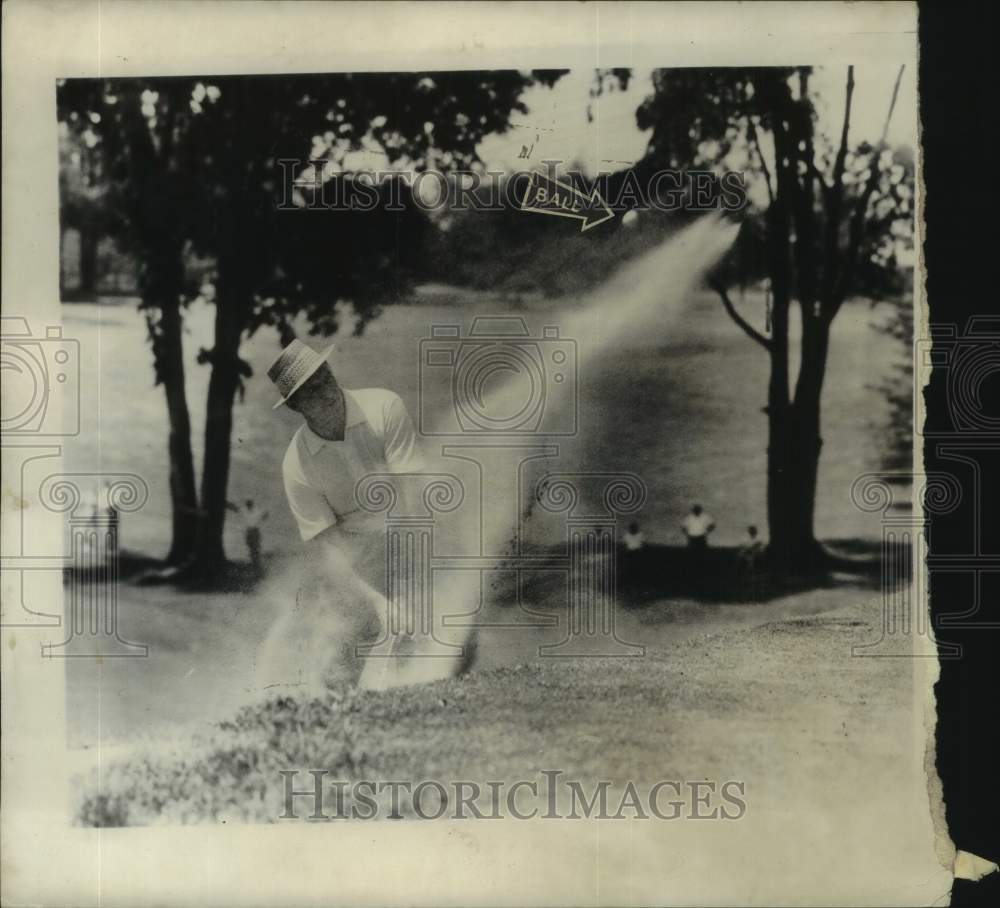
(440,470)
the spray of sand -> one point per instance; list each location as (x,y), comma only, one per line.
(643,299)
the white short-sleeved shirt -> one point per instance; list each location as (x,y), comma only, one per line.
(634,541)
(321,475)
(696,525)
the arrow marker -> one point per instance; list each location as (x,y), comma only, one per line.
(547,196)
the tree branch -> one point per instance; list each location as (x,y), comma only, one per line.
(892,105)
(746,327)
(857,225)
(804,210)
(838,167)
(835,206)
(817,175)
(752,136)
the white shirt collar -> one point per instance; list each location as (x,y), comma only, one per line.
(353,416)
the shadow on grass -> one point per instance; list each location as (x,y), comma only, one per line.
(656,572)
(720,575)
(230,577)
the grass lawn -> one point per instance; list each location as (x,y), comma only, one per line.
(699,432)
(717,698)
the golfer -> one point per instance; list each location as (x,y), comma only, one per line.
(346,435)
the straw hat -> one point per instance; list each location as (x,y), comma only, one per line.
(293,368)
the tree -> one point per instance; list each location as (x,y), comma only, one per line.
(830,211)
(149,191)
(201,162)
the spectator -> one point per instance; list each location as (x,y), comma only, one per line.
(696,527)
(751,554)
(252,518)
(751,550)
(633,557)
(633,540)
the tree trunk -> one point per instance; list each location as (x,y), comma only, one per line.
(793,425)
(230,320)
(89,240)
(779,444)
(183,498)
(62,261)
(807,442)
(793,460)
(161,278)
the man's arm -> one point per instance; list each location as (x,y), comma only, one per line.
(310,509)
(402,452)
(332,541)
(329,566)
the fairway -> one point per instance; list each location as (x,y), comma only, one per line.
(701,434)
(702,437)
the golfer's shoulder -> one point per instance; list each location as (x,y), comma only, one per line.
(379,405)
(291,464)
